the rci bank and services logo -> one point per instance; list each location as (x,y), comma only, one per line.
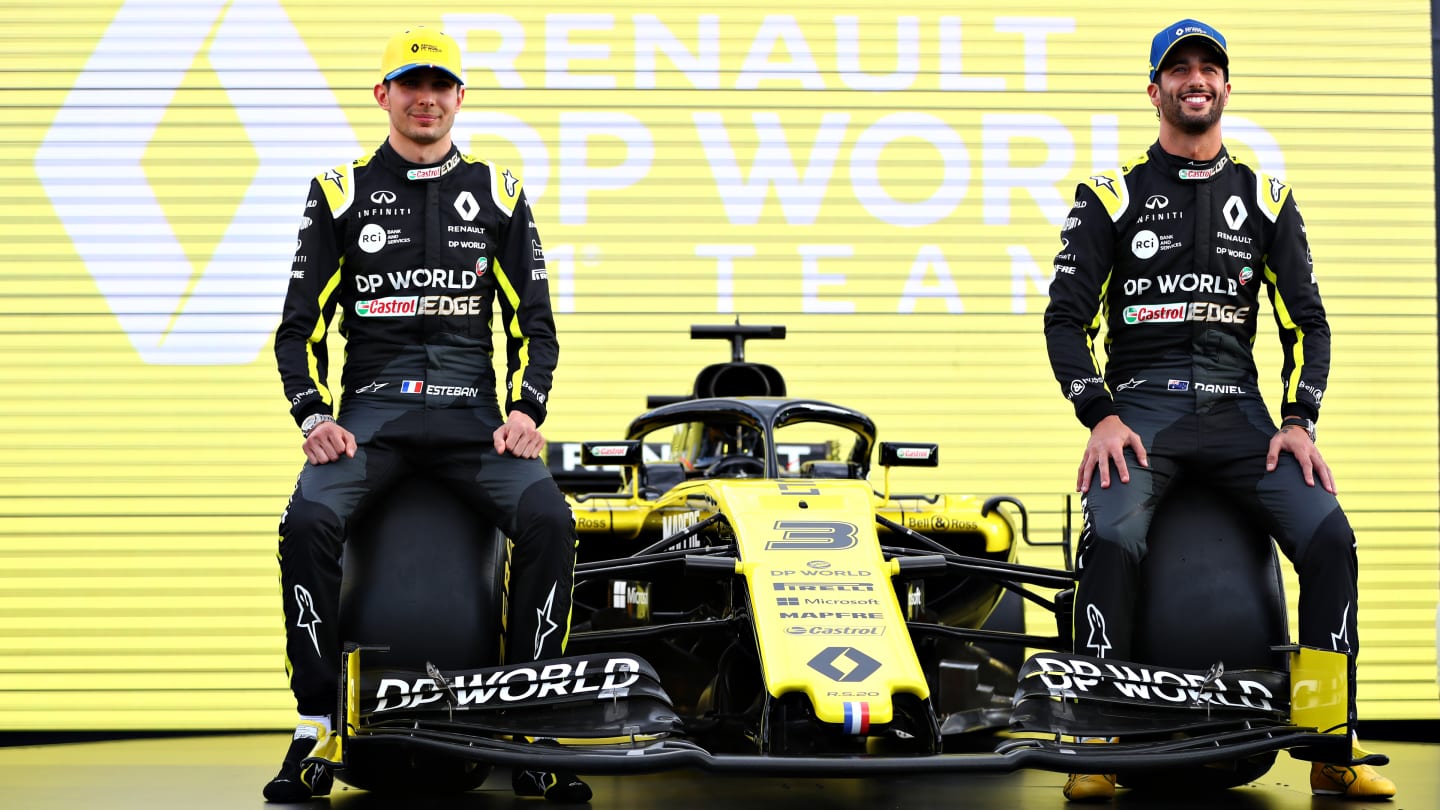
(175,308)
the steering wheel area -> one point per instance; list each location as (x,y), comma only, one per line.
(736,466)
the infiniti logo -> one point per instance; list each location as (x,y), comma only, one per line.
(383,197)
(1157,201)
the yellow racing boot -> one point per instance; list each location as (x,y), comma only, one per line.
(1091,787)
(1350,781)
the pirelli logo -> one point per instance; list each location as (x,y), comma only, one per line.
(825,586)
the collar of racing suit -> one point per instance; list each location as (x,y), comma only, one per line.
(418,172)
(1191,171)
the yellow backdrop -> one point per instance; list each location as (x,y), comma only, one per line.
(888,181)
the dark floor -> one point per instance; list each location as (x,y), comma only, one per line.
(223,772)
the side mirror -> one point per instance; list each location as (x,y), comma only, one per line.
(624,453)
(907,454)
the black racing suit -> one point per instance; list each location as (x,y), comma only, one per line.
(1172,255)
(414,258)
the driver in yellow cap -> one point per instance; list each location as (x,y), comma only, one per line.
(414,245)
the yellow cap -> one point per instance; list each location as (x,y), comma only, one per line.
(421,47)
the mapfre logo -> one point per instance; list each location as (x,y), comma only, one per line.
(179,312)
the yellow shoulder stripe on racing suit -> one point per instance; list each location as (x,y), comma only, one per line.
(1270,193)
(504,185)
(339,194)
(505,191)
(339,191)
(1110,187)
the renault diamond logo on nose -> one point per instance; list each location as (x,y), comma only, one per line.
(857,666)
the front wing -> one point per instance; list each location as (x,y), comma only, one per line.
(610,715)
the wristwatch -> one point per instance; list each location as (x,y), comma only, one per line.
(313,421)
(1297,421)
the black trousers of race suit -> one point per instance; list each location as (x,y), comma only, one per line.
(1226,445)
(454,445)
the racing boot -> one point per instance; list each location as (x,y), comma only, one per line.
(1350,781)
(555,786)
(297,780)
(1091,787)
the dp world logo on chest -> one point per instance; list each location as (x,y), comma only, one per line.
(173,309)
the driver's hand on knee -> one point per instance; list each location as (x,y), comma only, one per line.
(1108,440)
(328,442)
(1296,442)
(519,436)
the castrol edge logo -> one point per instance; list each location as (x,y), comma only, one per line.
(913,453)
(394,307)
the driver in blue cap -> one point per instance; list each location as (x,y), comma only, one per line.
(1174,251)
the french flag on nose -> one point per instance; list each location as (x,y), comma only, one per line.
(857,717)
(412,386)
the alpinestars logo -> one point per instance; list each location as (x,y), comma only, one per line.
(1277,189)
(1101,181)
(169,311)
(1099,642)
(1340,641)
(306,617)
(544,624)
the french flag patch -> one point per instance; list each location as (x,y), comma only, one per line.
(412,386)
(857,717)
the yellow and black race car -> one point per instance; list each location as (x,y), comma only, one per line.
(747,600)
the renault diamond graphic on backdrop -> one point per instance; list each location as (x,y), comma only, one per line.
(90,165)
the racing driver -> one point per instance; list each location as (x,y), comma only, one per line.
(1172,252)
(410,247)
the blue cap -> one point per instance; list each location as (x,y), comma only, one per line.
(1173,35)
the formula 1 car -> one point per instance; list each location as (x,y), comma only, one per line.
(747,601)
